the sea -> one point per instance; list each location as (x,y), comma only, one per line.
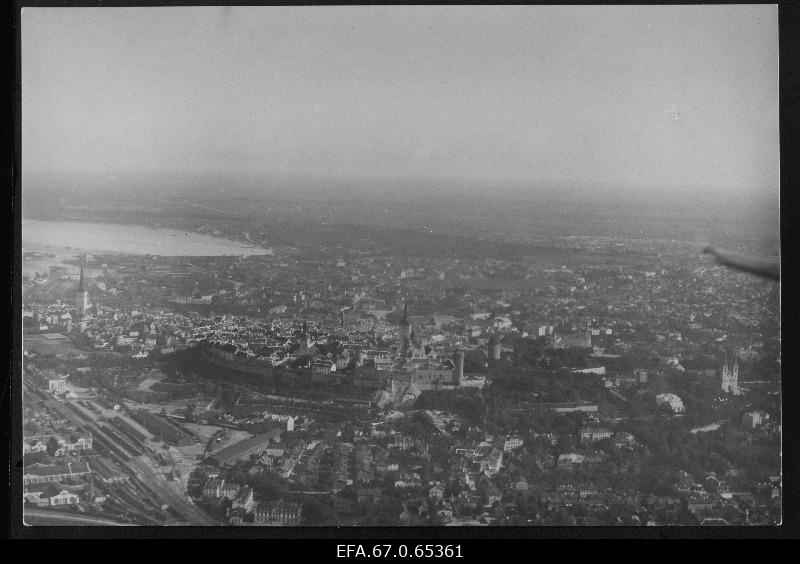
(64,240)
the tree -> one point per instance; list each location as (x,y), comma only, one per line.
(315,512)
(52,446)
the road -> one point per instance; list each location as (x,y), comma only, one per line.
(31,516)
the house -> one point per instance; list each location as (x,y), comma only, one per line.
(277,513)
(699,504)
(590,435)
(64,497)
(753,419)
(436,492)
(43,473)
(673,401)
(211,489)
(489,490)
(493,462)
(236,515)
(229,490)
(36,496)
(512,443)
(544,461)
(244,499)
(624,440)
(50,495)
(31,447)
(445,514)
(570,462)
(242,450)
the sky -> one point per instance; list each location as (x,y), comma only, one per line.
(651,98)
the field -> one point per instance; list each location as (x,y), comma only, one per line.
(46,344)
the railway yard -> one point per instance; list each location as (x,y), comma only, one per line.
(134,477)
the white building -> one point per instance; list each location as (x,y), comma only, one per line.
(589,435)
(512,443)
(675,403)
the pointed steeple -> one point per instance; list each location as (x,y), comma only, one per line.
(81,287)
(404,321)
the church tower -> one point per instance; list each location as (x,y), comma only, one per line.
(726,378)
(404,330)
(306,334)
(82,295)
(730,378)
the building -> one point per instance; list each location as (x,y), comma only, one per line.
(674,402)
(570,462)
(244,499)
(569,407)
(436,492)
(64,497)
(162,428)
(512,443)
(50,495)
(32,446)
(82,294)
(278,513)
(730,378)
(65,447)
(600,370)
(492,463)
(404,331)
(56,272)
(57,385)
(495,348)
(242,450)
(229,490)
(573,339)
(43,473)
(753,419)
(589,435)
(211,489)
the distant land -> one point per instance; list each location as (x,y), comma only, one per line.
(284,205)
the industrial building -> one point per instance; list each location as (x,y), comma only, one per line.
(243,449)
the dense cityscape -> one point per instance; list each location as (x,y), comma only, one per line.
(405,266)
(637,383)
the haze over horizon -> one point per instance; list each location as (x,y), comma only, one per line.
(647,99)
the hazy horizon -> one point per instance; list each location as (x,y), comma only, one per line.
(604,99)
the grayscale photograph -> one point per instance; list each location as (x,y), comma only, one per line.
(400,266)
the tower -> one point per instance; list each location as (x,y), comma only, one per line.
(459,369)
(495,348)
(730,378)
(726,378)
(82,295)
(306,334)
(404,330)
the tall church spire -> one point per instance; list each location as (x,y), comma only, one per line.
(81,287)
(82,295)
